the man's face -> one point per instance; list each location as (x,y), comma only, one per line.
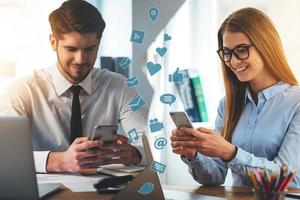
(76,54)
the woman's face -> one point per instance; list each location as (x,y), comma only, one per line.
(249,66)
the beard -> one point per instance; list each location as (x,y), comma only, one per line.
(73,72)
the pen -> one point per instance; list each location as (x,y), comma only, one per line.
(274,182)
(252,176)
(265,180)
(288,180)
(282,176)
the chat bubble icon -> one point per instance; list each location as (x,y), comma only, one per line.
(167,98)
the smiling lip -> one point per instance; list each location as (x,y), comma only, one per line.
(240,69)
(79,67)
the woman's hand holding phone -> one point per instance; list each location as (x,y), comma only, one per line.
(181,119)
(188,141)
(179,140)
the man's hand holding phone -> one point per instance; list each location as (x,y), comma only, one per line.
(76,158)
(116,147)
(104,146)
(120,151)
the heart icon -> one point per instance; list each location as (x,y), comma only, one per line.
(153,68)
(161,51)
(167,37)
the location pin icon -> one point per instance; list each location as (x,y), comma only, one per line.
(153,13)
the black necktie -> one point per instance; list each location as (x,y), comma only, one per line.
(76,126)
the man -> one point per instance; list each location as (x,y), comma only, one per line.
(48,98)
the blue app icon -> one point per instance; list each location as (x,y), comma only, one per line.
(153,13)
(155,125)
(161,51)
(158,167)
(124,63)
(160,143)
(133,135)
(147,188)
(176,77)
(131,82)
(136,103)
(167,98)
(137,36)
(167,37)
(153,68)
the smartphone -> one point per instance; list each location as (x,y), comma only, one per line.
(106,133)
(181,119)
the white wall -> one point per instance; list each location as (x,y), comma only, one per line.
(116,36)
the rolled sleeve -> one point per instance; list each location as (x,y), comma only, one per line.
(207,170)
(288,154)
(244,159)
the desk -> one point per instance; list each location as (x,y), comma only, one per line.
(234,193)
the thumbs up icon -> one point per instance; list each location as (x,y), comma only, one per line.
(176,77)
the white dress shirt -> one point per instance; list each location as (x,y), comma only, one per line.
(46,100)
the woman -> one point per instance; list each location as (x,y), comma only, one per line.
(258,121)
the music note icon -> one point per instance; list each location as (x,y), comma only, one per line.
(133,135)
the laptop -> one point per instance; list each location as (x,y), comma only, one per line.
(17,171)
(146,185)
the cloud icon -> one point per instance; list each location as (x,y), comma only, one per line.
(147,188)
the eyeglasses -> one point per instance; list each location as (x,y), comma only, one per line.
(241,52)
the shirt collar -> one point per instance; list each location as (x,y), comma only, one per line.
(61,84)
(267,93)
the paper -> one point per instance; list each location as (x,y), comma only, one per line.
(123,168)
(74,181)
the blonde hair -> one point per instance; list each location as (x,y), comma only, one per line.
(263,36)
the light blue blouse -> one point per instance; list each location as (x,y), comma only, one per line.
(266,135)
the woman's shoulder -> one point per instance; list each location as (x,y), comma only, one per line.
(290,97)
(293,91)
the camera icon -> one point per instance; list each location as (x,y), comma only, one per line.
(155,125)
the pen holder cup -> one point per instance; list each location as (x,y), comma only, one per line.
(273,195)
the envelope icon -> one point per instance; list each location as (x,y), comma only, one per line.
(136,103)
(124,63)
(131,82)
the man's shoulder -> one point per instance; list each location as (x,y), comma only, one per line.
(32,79)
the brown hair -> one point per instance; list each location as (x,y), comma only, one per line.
(76,16)
(264,37)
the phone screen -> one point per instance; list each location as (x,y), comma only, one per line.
(106,133)
(181,119)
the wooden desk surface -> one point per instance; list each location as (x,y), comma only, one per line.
(234,193)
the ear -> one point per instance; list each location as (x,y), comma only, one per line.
(53,42)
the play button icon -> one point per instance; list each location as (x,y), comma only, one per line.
(137,36)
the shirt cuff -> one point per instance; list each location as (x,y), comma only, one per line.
(142,152)
(194,161)
(241,159)
(40,161)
